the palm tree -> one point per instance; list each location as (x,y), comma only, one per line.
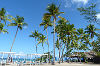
(42,39)
(90,29)
(35,35)
(46,23)
(53,11)
(60,32)
(79,45)
(97,45)
(19,22)
(70,32)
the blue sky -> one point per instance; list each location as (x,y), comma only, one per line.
(32,11)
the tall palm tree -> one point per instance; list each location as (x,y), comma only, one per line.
(59,29)
(46,23)
(90,29)
(42,39)
(35,35)
(19,22)
(78,46)
(53,11)
(70,32)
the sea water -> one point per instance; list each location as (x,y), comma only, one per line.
(17,60)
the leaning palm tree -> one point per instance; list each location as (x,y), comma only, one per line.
(19,22)
(35,35)
(53,11)
(90,29)
(46,23)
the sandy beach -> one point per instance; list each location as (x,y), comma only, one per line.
(62,64)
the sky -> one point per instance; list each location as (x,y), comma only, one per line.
(32,11)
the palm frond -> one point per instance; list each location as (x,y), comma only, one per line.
(12,24)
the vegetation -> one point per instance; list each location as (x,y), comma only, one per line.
(44,57)
(46,23)
(35,35)
(19,22)
(53,12)
(3,19)
(69,39)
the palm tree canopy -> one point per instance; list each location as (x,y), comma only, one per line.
(2,13)
(57,44)
(35,34)
(90,29)
(19,22)
(1,28)
(80,31)
(70,29)
(3,16)
(53,10)
(41,39)
(61,24)
(46,22)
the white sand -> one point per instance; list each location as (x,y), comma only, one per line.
(62,64)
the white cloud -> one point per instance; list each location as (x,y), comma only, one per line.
(81,1)
(69,3)
(98,16)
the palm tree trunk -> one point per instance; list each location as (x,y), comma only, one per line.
(48,46)
(93,47)
(54,39)
(14,39)
(68,46)
(59,50)
(43,47)
(92,36)
(93,43)
(62,54)
(36,48)
(35,45)
(43,53)
(59,56)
